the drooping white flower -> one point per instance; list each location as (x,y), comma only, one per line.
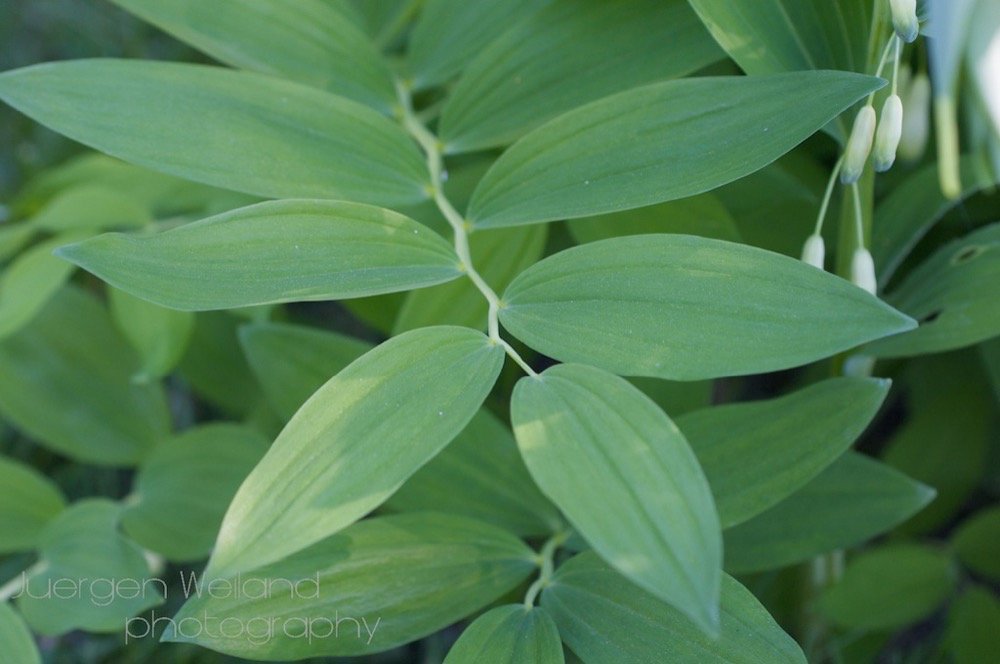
(859,145)
(890,128)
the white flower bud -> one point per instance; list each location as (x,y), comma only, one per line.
(916,118)
(863,270)
(859,144)
(814,251)
(904,19)
(890,127)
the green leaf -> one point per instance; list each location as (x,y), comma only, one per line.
(356,441)
(215,367)
(790,35)
(579,429)
(309,41)
(481,475)
(851,501)
(92,207)
(889,588)
(499,256)
(509,634)
(293,361)
(381,583)
(756,454)
(182,490)
(775,208)
(687,308)
(676,397)
(30,281)
(237,130)
(13,237)
(90,577)
(605,618)
(19,645)
(974,622)
(70,361)
(933,445)
(945,293)
(28,501)
(658,143)
(701,215)
(977,543)
(279,251)
(158,335)
(908,212)
(447,35)
(569,53)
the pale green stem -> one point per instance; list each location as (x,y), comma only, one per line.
(881,63)
(895,65)
(826,196)
(547,564)
(15,585)
(432,147)
(858,223)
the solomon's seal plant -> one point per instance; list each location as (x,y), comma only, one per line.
(476,332)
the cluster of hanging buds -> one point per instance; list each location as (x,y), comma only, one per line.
(880,138)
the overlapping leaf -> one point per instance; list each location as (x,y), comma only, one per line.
(28,502)
(379,584)
(310,41)
(605,618)
(509,634)
(569,53)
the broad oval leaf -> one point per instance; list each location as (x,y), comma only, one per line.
(973,625)
(238,130)
(378,584)
(755,454)
(89,577)
(605,618)
(355,441)
(867,595)
(158,335)
(19,646)
(977,543)
(499,256)
(278,251)
(28,502)
(182,490)
(447,35)
(72,361)
(509,634)
(658,143)
(653,519)
(293,361)
(570,53)
(311,41)
(481,475)
(946,294)
(854,499)
(687,308)
(91,206)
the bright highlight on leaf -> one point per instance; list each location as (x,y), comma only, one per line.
(626,479)
(355,441)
